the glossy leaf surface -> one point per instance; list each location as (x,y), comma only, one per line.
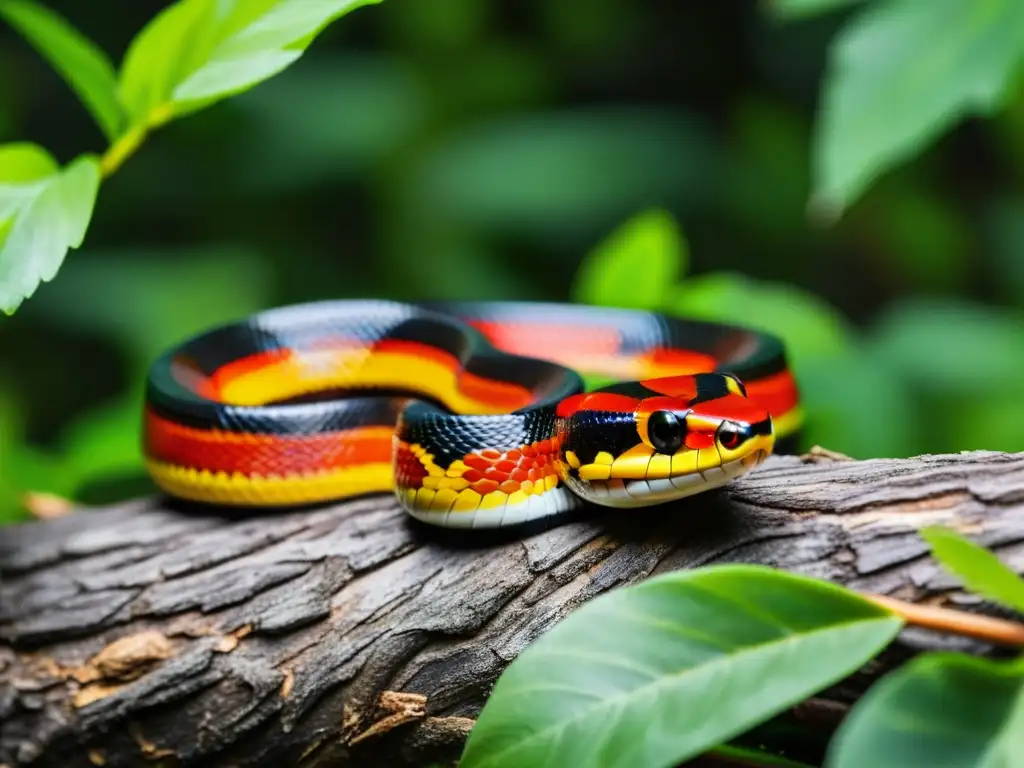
(948,710)
(902,73)
(197,52)
(44,211)
(979,569)
(635,266)
(651,675)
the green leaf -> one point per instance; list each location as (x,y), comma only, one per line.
(80,62)
(800,9)
(900,74)
(978,568)
(941,709)
(44,211)
(635,266)
(23,163)
(654,674)
(197,52)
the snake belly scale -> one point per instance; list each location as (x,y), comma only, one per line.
(475,415)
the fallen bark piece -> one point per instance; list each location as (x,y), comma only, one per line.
(150,633)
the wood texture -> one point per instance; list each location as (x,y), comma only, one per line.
(143,634)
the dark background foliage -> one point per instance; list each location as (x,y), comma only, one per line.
(482,148)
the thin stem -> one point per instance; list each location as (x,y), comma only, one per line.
(46,506)
(998,631)
(122,149)
(129,142)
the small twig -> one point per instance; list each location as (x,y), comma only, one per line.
(401,707)
(129,142)
(820,454)
(998,631)
(46,506)
(121,150)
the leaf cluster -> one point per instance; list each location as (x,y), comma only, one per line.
(190,56)
(687,663)
(899,74)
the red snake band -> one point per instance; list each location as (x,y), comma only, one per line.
(472,414)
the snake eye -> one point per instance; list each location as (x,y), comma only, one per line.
(665,432)
(730,436)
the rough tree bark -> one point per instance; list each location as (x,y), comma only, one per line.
(143,634)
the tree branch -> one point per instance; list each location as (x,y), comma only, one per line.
(349,634)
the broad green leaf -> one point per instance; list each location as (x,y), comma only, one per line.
(799,9)
(23,163)
(941,709)
(901,73)
(654,674)
(44,211)
(948,346)
(80,62)
(636,266)
(979,569)
(197,52)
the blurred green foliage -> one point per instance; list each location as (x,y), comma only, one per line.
(655,155)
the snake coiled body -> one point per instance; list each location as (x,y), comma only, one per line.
(473,414)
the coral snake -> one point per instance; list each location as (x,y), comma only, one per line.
(474,414)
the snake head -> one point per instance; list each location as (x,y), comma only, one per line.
(642,444)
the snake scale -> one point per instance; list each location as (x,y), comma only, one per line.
(474,414)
